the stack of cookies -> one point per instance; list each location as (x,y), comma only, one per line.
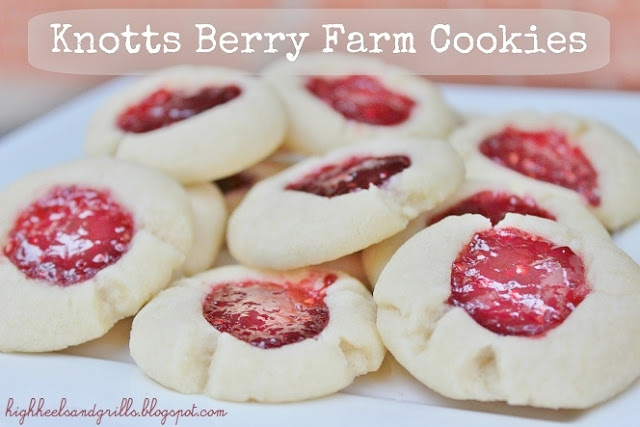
(361,214)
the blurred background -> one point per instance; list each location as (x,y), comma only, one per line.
(26,92)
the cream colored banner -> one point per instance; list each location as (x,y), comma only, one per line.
(425,41)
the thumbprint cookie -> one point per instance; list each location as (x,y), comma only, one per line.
(573,153)
(239,334)
(196,124)
(336,100)
(527,311)
(83,245)
(324,208)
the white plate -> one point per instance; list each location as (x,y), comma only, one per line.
(101,372)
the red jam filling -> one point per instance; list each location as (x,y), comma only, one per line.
(515,283)
(354,174)
(267,314)
(362,98)
(235,182)
(546,156)
(494,205)
(164,107)
(69,235)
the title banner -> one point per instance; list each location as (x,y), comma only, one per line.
(425,41)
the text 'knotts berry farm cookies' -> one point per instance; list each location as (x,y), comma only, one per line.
(573,153)
(335,100)
(529,312)
(324,208)
(240,334)
(493,200)
(84,245)
(195,123)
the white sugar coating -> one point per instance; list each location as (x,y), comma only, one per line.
(590,357)
(281,229)
(40,316)
(213,144)
(172,343)
(316,128)
(615,159)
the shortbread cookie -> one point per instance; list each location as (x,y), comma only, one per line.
(239,334)
(210,220)
(324,208)
(571,152)
(195,123)
(335,100)
(84,245)
(492,199)
(530,312)
(236,186)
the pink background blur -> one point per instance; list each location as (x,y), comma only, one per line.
(26,92)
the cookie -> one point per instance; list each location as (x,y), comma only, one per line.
(324,208)
(529,312)
(492,199)
(196,124)
(83,245)
(239,334)
(336,100)
(210,220)
(574,153)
